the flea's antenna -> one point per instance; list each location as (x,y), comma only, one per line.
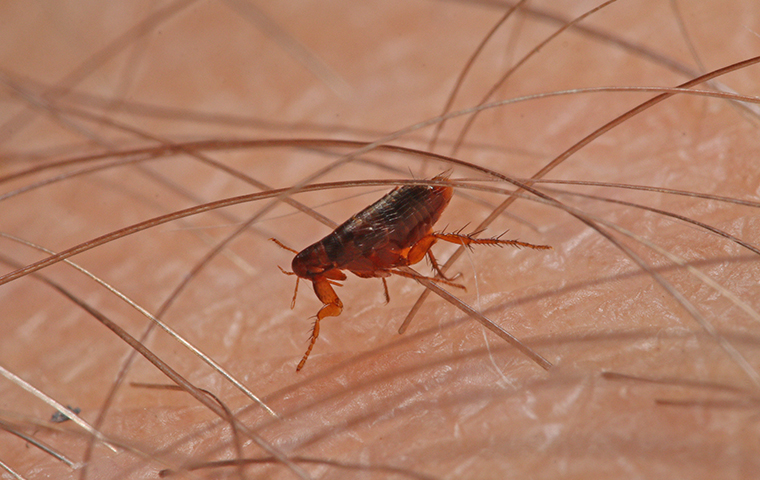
(282,245)
(295,294)
(285,271)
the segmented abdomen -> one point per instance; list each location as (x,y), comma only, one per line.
(395,222)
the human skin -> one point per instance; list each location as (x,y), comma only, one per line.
(637,389)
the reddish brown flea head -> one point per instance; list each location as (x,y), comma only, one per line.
(311,262)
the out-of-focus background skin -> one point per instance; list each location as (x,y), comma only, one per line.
(445,400)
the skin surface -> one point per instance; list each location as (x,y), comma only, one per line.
(447,399)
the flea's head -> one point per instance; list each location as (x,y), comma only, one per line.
(311,262)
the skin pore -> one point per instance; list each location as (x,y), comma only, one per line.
(638,388)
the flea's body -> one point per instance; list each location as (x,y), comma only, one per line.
(379,238)
(396,231)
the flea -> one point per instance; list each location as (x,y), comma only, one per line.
(396,231)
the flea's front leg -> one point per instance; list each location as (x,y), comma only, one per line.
(332,308)
(325,293)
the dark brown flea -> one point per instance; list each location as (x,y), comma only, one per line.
(396,231)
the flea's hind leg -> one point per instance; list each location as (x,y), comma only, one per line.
(420,249)
(332,308)
(470,240)
(418,252)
